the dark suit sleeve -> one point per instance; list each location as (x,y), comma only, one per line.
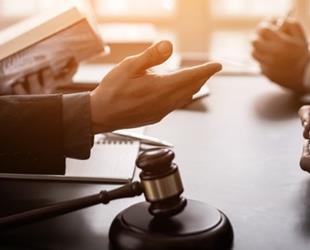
(32,134)
(78,137)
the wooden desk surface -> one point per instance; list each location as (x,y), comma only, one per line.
(237,150)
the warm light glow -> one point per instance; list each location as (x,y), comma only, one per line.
(221,28)
(15,8)
(228,47)
(135,7)
(251,7)
(168,4)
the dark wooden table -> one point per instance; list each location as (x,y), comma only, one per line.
(237,150)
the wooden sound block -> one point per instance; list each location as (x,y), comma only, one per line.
(198,226)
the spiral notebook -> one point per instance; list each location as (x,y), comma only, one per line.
(112,160)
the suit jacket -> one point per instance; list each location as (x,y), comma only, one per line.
(37,132)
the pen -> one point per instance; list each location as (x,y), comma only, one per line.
(144,138)
(289,13)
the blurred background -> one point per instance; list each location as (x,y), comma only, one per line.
(218,28)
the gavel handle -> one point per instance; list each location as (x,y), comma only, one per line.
(54,210)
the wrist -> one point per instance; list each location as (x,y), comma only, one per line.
(98,119)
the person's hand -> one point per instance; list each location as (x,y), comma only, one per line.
(131,96)
(44,82)
(304,115)
(282,53)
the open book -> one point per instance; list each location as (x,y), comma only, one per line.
(48,40)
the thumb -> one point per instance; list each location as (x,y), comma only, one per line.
(152,56)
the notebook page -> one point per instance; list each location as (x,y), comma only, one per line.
(110,159)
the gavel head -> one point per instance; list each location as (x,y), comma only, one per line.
(161,182)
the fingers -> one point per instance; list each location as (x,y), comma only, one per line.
(266,42)
(71,66)
(31,85)
(264,51)
(65,78)
(271,73)
(67,74)
(275,45)
(278,34)
(44,82)
(294,29)
(154,55)
(48,81)
(19,89)
(186,95)
(269,33)
(71,70)
(306,131)
(183,103)
(193,75)
(262,58)
(304,114)
(273,20)
(289,29)
(264,46)
(182,85)
(34,84)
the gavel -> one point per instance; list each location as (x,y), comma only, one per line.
(160,183)
(304,114)
(166,220)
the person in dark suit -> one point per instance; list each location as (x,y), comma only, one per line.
(281,49)
(38,131)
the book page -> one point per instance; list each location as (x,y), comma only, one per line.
(78,42)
